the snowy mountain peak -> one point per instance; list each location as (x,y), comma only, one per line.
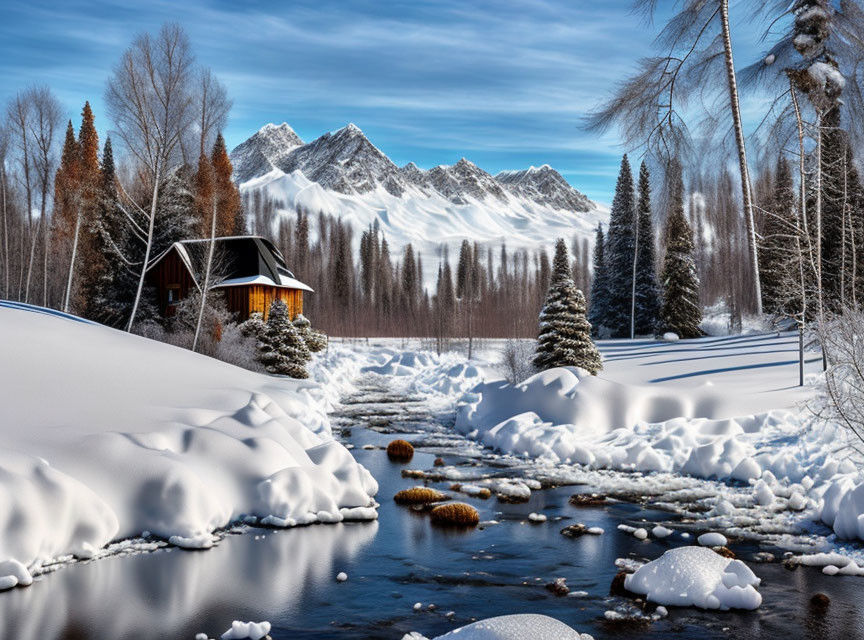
(546,186)
(264,151)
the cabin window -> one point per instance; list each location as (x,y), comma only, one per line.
(173,294)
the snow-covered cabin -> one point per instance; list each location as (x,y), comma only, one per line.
(248,270)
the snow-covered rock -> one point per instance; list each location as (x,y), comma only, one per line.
(525,626)
(246,631)
(712,539)
(696,576)
(104,435)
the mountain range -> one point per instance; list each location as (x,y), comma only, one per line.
(342,173)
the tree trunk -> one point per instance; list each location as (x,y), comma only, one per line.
(5,234)
(33,240)
(147,250)
(206,279)
(633,287)
(68,295)
(742,152)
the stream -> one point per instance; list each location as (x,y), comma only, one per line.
(288,576)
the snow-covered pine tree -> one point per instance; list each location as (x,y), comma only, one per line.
(776,247)
(565,335)
(280,348)
(114,288)
(600,286)
(254,326)
(175,212)
(314,339)
(681,312)
(647,289)
(620,249)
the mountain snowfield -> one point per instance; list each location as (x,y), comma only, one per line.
(343,174)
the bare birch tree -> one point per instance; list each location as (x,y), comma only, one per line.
(149,97)
(45,120)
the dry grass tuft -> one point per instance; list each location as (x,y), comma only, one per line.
(418,495)
(400,451)
(455,513)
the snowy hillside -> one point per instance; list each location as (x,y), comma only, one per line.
(104,435)
(343,174)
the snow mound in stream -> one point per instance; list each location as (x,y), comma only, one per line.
(524,626)
(104,435)
(699,577)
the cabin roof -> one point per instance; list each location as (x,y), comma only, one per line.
(243,260)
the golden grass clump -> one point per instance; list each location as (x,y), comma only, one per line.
(418,495)
(400,451)
(455,513)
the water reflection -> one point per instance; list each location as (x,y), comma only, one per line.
(176,594)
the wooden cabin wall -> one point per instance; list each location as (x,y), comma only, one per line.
(170,272)
(244,301)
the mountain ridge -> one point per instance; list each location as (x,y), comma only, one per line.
(347,162)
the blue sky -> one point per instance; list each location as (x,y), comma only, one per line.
(503,83)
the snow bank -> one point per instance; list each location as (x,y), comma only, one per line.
(696,576)
(104,435)
(525,626)
(567,415)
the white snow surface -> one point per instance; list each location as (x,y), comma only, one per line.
(105,435)
(696,576)
(523,626)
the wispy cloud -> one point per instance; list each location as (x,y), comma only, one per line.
(504,82)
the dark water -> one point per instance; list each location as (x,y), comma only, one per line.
(288,577)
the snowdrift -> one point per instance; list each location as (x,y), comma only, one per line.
(104,435)
(568,415)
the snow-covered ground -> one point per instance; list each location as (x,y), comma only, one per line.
(106,436)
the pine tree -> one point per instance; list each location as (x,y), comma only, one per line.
(600,287)
(565,334)
(647,289)
(681,313)
(90,261)
(619,252)
(67,185)
(175,213)
(776,248)
(280,347)
(114,288)
(204,195)
(231,217)
(315,340)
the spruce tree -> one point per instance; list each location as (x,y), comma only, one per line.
(175,213)
(231,219)
(647,289)
(565,335)
(90,261)
(280,348)
(600,286)
(114,288)
(620,251)
(681,312)
(776,248)
(314,339)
